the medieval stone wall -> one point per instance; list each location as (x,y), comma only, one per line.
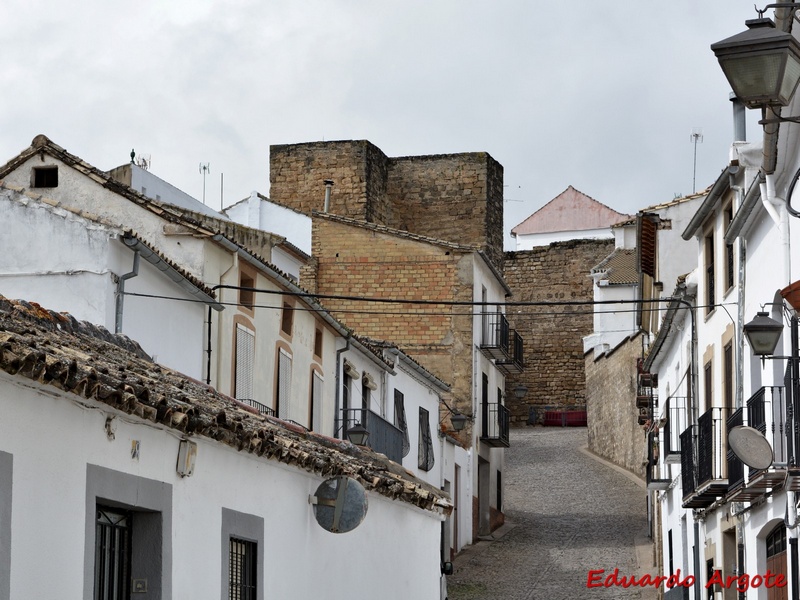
(613,429)
(297,173)
(452,197)
(552,335)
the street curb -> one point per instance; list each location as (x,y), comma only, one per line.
(585,450)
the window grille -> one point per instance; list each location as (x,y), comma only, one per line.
(400,420)
(284,383)
(112,556)
(425,452)
(242,569)
(245,359)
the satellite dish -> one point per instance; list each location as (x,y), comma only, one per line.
(340,504)
(751,447)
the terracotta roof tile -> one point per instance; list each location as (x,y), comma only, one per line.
(55,350)
(619,267)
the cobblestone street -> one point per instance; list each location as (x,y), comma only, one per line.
(567,513)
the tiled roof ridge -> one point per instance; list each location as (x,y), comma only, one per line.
(53,206)
(64,322)
(396,232)
(38,346)
(202,223)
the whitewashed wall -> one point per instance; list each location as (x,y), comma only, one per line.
(394,553)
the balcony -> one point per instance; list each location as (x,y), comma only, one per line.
(495,425)
(657,474)
(514,362)
(766,411)
(703,459)
(495,338)
(261,408)
(384,437)
(502,344)
(676,415)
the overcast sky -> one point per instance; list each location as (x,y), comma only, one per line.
(602,96)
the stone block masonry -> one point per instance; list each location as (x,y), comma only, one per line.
(452,197)
(552,335)
(614,432)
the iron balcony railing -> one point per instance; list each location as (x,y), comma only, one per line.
(676,415)
(704,459)
(514,363)
(767,411)
(735,466)
(657,474)
(688,462)
(261,408)
(711,444)
(495,336)
(384,437)
(495,425)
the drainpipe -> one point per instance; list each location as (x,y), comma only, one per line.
(338,385)
(121,292)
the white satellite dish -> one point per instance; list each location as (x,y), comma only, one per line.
(751,447)
(340,504)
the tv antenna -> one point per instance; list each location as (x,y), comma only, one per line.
(695,137)
(204,169)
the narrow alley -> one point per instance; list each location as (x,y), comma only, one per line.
(567,513)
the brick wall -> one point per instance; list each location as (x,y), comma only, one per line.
(613,430)
(553,336)
(453,197)
(352,260)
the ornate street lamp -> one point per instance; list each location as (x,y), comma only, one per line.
(358,434)
(458,421)
(762,64)
(763,334)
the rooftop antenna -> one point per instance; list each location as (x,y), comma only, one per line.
(695,137)
(205,169)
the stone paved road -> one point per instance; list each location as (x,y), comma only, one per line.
(567,513)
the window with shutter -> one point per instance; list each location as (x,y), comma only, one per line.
(284,386)
(316,402)
(245,359)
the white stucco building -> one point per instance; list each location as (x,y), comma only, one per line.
(145,474)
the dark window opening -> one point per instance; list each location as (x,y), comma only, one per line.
(710,281)
(728,250)
(45,177)
(286,318)
(243,570)
(728,390)
(500,491)
(707,385)
(246,296)
(318,343)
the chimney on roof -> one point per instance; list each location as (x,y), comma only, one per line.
(328,188)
